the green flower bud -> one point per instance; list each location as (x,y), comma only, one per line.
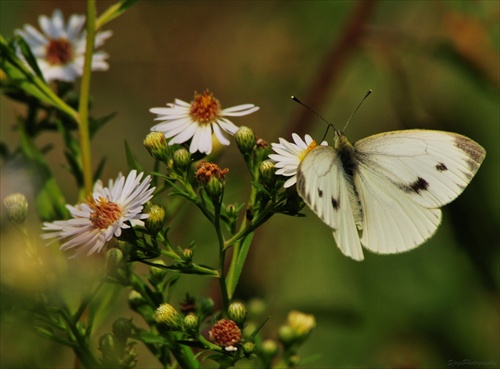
(157,145)
(302,324)
(231,211)
(107,345)
(207,306)
(245,139)
(297,328)
(269,348)
(182,160)
(154,223)
(191,324)
(256,307)
(114,261)
(17,208)
(122,328)
(187,255)
(166,314)
(139,305)
(267,172)
(286,335)
(214,188)
(248,348)
(237,312)
(158,272)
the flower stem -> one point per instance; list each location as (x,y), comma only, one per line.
(83,108)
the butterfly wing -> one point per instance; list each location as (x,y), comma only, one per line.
(402,179)
(325,188)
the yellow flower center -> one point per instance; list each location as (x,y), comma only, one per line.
(303,154)
(205,108)
(105,213)
(59,52)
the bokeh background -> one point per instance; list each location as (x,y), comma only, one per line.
(431,64)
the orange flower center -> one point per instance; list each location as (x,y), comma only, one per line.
(205,108)
(105,213)
(59,52)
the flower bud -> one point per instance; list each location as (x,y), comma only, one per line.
(187,255)
(166,314)
(297,328)
(214,188)
(267,172)
(256,307)
(191,324)
(286,335)
(17,208)
(269,348)
(182,160)
(122,328)
(154,223)
(157,145)
(248,348)
(158,272)
(207,306)
(107,345)
(231,211)
(245,139)
(237,312)
(302,324)
(226,334)
(114,261)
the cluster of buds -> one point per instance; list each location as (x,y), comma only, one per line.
(297,328)
(177,159)
(115,350)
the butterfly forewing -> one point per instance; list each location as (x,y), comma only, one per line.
(432,167)
(327,190)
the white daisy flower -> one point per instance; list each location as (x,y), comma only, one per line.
(197,121)
(60,49)
(104,215)
(289,155)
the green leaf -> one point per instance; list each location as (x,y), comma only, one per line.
(30,58)
(97,123)
(151,338)
(49,198)
(114,11)
(239,257)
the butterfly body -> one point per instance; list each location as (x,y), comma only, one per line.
(384,192)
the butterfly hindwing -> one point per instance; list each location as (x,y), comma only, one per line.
(432,167)
(327,190)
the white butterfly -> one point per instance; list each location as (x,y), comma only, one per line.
(389,186)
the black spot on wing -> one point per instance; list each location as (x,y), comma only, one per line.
(320,193)
(336,203)
(419,185)
(441,167)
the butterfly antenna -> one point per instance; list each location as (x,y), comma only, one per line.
(357,107)
(330,125)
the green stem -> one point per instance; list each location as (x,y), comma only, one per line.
(222,258)
(83,108)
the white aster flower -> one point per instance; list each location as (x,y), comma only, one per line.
(197,121)
(60,49)
(95,221)
(289,155)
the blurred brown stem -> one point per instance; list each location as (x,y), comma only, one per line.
(335,61)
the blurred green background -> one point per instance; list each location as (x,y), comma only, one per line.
(431,64)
